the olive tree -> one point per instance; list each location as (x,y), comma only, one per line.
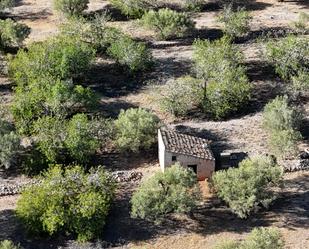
(71,7)
(246,188)
(68,201)
(174,191)
(136,129)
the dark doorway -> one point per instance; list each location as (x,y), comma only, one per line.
(193,167)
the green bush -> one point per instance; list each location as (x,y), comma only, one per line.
(12,34)
(82,138)
(167,23)
(227,93)
(259,238)
(94,31)
(279,115)
(289,55)
(67,201)
(9,144)
(7,244)
(71,7)
(60,57)
(136,129)
(50,133)
(78,137)
(236,23)
(174,191)
(302,24)
(5,4)
(133,8)
(180,95)
(211,58)
(300,82)
(248,187)
(282,122)
(48,96)
(193,5)
(131,54)
(262,238)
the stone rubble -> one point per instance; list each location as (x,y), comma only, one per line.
(119,176)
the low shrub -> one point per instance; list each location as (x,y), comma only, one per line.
(48,97)
(193,5)
(136,129)
(236,23)
(133,8)
(6,4)
(9,144)
(289,55)
(12,34)
(279,115)
(94,31)
(259,238)
(71,7)
(167,23)
(247,188)
(302,24)
(133,55)
(178,96)
(174,191)
(282,122)
(227,93)
(61,57)
(300,82)
(7,244)
(68,201)
(78,137)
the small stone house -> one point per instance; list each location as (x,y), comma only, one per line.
(189,151)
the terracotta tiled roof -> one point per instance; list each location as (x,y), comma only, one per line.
(187,145)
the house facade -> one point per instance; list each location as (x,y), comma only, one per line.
(189,151)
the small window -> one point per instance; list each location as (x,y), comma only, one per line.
(174,158)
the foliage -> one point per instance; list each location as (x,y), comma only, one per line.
(61,57)
(50,133)
(174,191)
(94,31)
(193,5)
(302,24)
(69,200)
(227,93)
(289,55)
(259,238)
(180,95)
(83,137)
(48,96)
(282,122)
(248,187)
(262,238)
(4,4)
(7,244)
(236,23)
(131,54)
(78,137)
(300,82)
(136,129)
(71,7)
(211,58)
(12,34)
(9,144)
(133,8)
(278,115)
(34,161)
(167,23)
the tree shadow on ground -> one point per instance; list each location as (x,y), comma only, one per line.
(255,5)
(21,16)
(114,13)
(110,80)
(266,85)
(303,3)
